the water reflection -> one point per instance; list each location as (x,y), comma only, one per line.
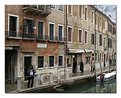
(93,87)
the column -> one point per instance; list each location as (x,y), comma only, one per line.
(18,71)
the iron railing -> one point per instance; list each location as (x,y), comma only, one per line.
(20,35)
(44,10)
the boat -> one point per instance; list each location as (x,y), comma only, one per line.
(107,76)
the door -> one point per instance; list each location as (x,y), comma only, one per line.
(10,65)
(27,63)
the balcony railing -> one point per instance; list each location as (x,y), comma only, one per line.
(41,37)
(12,34)
(44,10)
(31,36)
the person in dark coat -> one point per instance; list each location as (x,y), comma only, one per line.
(81,67)
(31,72)
(74,66)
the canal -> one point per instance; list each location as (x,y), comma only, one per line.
(93,87)
(84,86)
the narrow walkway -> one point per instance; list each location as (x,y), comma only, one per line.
(71,77)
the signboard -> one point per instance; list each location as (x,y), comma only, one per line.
(41,45)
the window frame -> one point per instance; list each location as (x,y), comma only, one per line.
(85,15)
(71,34)
(62,60)
(85,37)
(17,22)
(49,30)
(81,36)
(53,60)
(81,11)
(43,62)
(43,26)
(61,7)
(62,31)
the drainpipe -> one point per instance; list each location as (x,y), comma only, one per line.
(65,42)
(95,45)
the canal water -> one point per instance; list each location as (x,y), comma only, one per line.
(93,87)
(85,86)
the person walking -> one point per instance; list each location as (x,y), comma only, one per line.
(31,72)
(81,66)
(74,66)
(102,75)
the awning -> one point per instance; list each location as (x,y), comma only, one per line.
(76,50)
(87,50)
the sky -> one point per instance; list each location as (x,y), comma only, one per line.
(109,10)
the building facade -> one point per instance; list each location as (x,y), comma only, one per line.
(50,37)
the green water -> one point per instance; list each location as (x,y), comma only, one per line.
(92,87)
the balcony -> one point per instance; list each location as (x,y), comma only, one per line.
(13,34)
(41,37)
(39,10)
(19,35)
(31,36)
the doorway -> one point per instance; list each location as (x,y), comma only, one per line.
(27,63)
(10,66)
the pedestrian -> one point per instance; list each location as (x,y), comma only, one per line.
(31,72)
(81,66)
(102,79)
(74,66)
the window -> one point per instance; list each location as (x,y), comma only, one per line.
(80,36)
(53,6)
(109,43)
(60,61)
(28,26)
(40,29)
(12,26)
(60,32)
(51,61)
(110,28)
(100,40)
(69,9)
(96,19)
(100,22)
(104,24)
(51,31)
(40,61)
(85,36)
(92,17)
(80,11)
(92,39)
(105,43)
(100,57)
(69,34)
(61,7)
(96,56)
(85,13)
